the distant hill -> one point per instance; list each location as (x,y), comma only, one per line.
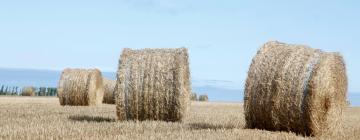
(49,78)
(220,94)
(29,77)
(354,99)
(25,77)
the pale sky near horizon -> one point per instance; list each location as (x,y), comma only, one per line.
(222,37)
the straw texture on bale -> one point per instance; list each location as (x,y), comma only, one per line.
(109,86)
(153,84)
(295,88)
(81,87)
(28,91)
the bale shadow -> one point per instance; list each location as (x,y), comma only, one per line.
(200,126)
(91,119)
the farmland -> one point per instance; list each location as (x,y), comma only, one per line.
(44,118)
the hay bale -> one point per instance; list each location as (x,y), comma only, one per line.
(153,84)
(28,91)
(203,98)
(109,86)
(295,88)
(80,87)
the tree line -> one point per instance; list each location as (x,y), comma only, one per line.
(28,91)
(203,98)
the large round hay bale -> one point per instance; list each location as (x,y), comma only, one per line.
(295,88)
(109,86)
(153,84)
(80,87)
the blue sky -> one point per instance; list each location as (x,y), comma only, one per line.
(222,37)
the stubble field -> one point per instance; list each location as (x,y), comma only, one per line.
(44,118)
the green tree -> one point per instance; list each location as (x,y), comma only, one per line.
(55,91)
(48,91)
(6,90)
(13,92)
(2,90)
(17,90)
(193,97)
(42,91)
(203,98)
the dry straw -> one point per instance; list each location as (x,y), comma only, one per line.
(28,91)
(295,88)
(80,87)
(109,86)
(153,84)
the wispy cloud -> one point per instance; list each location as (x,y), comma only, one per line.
(161,6)
(202,47)
(219,81)
(216,83)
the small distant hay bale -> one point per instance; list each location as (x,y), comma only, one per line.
(153,84)
(28,91)
(295,88)
(109,86)
(203,98)
(81,87)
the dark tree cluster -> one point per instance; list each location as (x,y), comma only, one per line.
(28,91)
(194,97)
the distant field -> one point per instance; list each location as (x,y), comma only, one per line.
(44,118)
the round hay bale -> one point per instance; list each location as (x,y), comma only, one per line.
(28,91)
(81,87)
(153,84)
(295,88)
(109,86)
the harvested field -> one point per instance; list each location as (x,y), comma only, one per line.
(44,118)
